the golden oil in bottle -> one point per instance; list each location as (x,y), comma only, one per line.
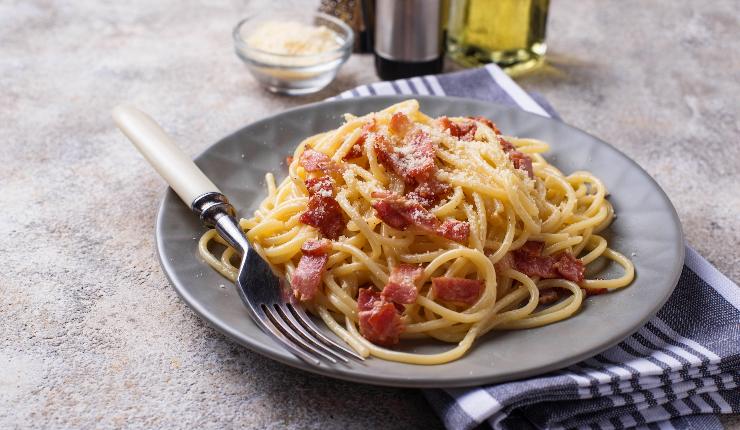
(510,33)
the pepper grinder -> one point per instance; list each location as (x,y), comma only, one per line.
(408,38)
(358,14)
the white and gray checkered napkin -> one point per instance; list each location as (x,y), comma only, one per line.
(678,371)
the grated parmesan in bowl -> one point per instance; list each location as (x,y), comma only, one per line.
(293,54)
(293,39)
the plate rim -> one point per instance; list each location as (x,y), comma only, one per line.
(394,381)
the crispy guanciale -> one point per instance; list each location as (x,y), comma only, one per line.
(322,211)
(380,322)
(429,192)
(413,160)
(464,130)
(519,159)
(315,161)
(461,291)
(356,150)
(529,260)
(306,278)
(401,213)
(522,162)
(487,122)
(401,286)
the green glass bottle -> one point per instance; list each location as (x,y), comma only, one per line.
(510,33)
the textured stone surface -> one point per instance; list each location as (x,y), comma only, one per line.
(91,333)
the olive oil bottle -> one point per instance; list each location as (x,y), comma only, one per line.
(510,33)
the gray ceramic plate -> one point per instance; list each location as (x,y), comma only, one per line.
(646,228)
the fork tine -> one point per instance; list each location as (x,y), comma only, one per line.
(287,343)
(297,326)
(304,319)
(291,334)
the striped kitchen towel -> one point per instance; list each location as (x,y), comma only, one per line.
(678,371)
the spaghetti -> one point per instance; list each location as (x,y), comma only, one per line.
(397,225)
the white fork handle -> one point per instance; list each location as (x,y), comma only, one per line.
(160,151)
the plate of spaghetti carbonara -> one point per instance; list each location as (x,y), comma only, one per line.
(451,242)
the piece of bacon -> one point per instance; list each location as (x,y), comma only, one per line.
(540,266)
(401,213)
(400,123)
(401,286)
(322,186)
(528,260)
(549,295)
(400,293)
(316,247)
(413,161)
(315,161)
(446,124)
(429,192)
(464,130)
(322,210)
(523,162)
(457,290)
(505,263)
(356,150)
(419,162)
(379,320)
(594,291)
(487,122)
(506,146)
(390,212)
(325,214)
(454,230)
(531,248)
(366,298)
(288,160)
(519,159)
(570,267)
(311,267)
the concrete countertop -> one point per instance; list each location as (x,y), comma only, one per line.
(93,335)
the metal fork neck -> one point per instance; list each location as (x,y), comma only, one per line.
(262,291)
(215,211)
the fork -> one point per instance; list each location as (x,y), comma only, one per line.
(265,295)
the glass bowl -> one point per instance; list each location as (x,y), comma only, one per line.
(293,74)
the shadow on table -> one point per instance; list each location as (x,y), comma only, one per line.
(563,75)
(296,398)
(343,82)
